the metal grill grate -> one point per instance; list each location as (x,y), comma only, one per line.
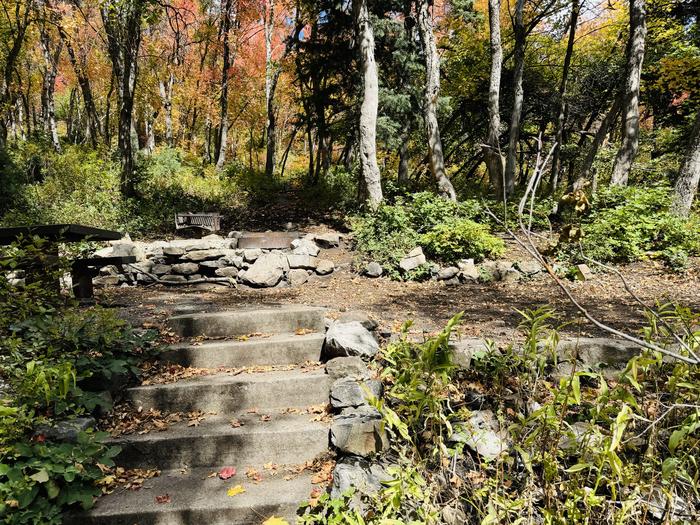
(205,221)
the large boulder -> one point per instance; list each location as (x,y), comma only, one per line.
(359,432)
(267,270)
(348,339)
(305,247)
(468,270)
(127,249)
(306,262)
(447,273)
(187,268)
(203,255)
(328,240)
(347,392)
(297,277)
(413,260)
(324,267)
(361,317)
(66,431)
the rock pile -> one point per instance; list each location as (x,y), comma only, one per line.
(218,259)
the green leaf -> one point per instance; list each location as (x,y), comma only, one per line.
(578,467)
(41,477)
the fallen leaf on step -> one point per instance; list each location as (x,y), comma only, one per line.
(275,521)
(252,411)
(235,491)
(164,498)
(313,497)
(227,472)
(303,331)
(265,417)
(253,475)
(235,423)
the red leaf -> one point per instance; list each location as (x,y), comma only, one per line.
(227,472)
(165,498)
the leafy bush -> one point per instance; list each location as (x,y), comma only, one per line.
(443,228)
(630,223)
(462,239)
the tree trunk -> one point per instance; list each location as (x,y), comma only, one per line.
(601,133)
(403,174)
(630,123)
(48,106)
(687,184)
(272,74)
(166,96)
(221,142)
(370,104)
(432,90)
(122,23)
(492,153)
(561,111)
(518,95)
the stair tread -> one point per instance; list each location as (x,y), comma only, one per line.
(253,341)
(196,489)
(273,376)
(217,426)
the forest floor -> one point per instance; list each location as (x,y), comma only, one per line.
(490,308)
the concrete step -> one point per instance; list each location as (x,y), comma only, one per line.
(228,395)
(282,349)
(268,320)
(196,498)
(284,439)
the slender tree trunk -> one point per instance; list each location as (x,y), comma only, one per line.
(48,106)
(687,184)
(226,23)
(518,96)
(370,104)
(432,91)
(403,174)
(561,110)
(630,123)
(602,132)
(166,95)
(272,74)
(122,25)
(492,153)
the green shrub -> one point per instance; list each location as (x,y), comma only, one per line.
(445,230)
(461,239)
(630,223)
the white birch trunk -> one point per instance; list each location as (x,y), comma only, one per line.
(687,184)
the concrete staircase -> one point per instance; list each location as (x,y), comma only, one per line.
(266,430)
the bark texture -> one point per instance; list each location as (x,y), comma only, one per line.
(222,139)
(370,104)
(51,51)
(432,91)
(492,153)
(518,96)
(687,184)
(630,119)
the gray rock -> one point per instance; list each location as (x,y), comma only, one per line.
(213,265)
(358,474)
(173,279)
(583,273)
(511,276)
(66,431)
(161,269)
(106,280)
(173,251)
(468,270)
(235,235)
(324,267)
(267,270)
(187,268)
(464,349)
(529,267)
(233,260)
(202,255)
(577,434)
(352,367)
(126,249)
(347,392)
(413,260)
(447,273)
(195,277)
(595,351)
(305,247)
(373,269)
(482,433)
(252,254)
(306,262)
(350,339)
(227,271)
(679,511)
(453,515)
(143,266)
(297,277)
(327,240)
(361,317)
(103,252)
(359,432)
(105,270)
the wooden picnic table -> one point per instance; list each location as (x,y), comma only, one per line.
(83,270)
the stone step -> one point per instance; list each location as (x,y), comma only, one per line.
(284,439)
(268,320)
(267,240)
(232,394)
(281,349)
(196,498)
